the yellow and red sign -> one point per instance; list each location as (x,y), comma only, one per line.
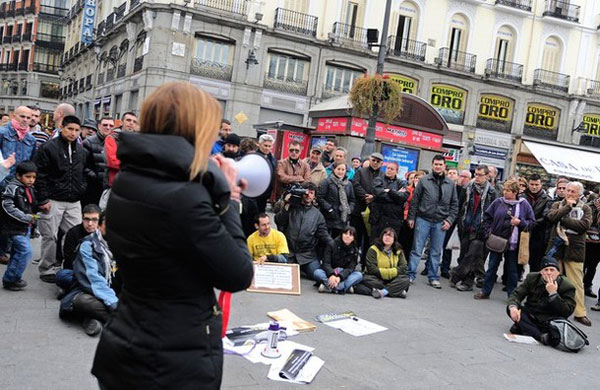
(541,118)
(409,85)
(591,125)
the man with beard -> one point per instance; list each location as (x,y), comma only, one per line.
(327,156)
(479,194)
(540,202)
(231,147)
(224,131)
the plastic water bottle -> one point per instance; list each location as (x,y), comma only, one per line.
(271,350)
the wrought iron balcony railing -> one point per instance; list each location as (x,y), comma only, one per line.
(23,66)
(138,64)
(7,39)
(213,70)
(407,48)
(16,38)
(350,33)
(524,5)
(562,10)
(110,22)
(592,88)
(455,59)
(133,4)
(499,69)
(236,7)
(552,80)
(120,12)
(296,87)
(296,22)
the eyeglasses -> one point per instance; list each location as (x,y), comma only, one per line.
(294,150)
(376,160)
(91,219)
(480,174)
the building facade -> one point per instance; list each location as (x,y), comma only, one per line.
(32,37)
(494,69)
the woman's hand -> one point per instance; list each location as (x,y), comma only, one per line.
(235,187)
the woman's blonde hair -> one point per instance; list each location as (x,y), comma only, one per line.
(512,185)
(179,108)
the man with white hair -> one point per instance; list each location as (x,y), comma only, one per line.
(265,145)
(571,218)
(464,177)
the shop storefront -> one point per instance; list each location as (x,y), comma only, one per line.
(490,148)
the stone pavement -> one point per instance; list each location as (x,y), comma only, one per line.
(435,339)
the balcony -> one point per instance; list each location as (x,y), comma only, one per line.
(213,70)
(562,10)
(110,74)
(11,67)
(406,48)
(7,39)
(45,68)
(455,59)
(296,22)
(101,29)
(138,64)
(121,70)
(27,37)
(286,85)
(16,38)
(235,7)
(110,22)
(524,5)
(53,11)
(50,41)
(551,80)
(133,4)
(23,66)
(350,34)
(592,88)
(120,12)
(504,70)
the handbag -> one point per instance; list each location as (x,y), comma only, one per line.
(523,258)
(496,243)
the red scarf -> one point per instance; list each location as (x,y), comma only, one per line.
(21,130)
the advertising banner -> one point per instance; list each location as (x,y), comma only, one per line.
(409,85)
(289,136)
(407,159)
(591,125)
(450,102)
(495,113)
(398,134)
(567,162)
(87,25)
(541,120)
(332,125)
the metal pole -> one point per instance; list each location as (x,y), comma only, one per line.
(369,145)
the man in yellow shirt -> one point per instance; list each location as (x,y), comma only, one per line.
(267,244)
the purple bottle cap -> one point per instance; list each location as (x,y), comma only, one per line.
(274,326)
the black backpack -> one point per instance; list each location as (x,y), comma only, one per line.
(572,339)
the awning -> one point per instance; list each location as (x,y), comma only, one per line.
(568,162)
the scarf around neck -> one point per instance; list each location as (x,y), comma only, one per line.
(344,206)
(514,236)
(21,130)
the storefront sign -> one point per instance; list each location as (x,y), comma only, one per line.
(87,25)
(591,125)
(406,159)
(495,113)
(568,162)
(452,155)
(409,85)
(489,138)
(450,102)
(397,134)
(288,137)
(483,151)
(332,125)
(540,117)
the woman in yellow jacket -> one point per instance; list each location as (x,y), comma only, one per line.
(386,268)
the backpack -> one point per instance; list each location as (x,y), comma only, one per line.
(572,339)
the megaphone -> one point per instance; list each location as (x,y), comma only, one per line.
(257,171)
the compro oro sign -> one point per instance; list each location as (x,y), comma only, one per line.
(495,113)
(575,163)
(408,84)
(591,125)
(541,120)
(450,102)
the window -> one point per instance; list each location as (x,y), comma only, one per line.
(287,68)
(297,5)
(48,28)
(214,51)
(46,57)
(551,57)
(505,43)
(458,34)
(340,79)
(404,24)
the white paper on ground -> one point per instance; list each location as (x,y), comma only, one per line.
(247,347)
(515,338)
(356,326)
(284,347)
(305,376)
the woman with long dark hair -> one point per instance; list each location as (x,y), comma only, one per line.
(336,199)
(173,225)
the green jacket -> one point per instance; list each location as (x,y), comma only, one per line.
(384,267)
(538,302)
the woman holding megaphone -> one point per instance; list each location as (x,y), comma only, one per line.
(173,225)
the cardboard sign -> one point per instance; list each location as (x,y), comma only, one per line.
(276,278)
(495,112)
(450,102)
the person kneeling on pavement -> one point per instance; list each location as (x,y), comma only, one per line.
(91,297)
(304,227)
(387,271)
(338,274)
(549,295)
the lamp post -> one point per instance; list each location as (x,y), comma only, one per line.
(369,145)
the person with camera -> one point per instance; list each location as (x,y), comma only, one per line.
(336,199)
(304,227)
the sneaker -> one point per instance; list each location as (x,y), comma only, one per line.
(435,284)
(425,272)
(350,290)
(596,307)
(3,259)
(376,293)
(324,289)
(480,296)
(463,287)
(14,286)
(91,327)
(402,294)
(48,278)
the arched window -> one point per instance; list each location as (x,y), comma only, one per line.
(505,45)
(404,24)
(458,35)
(551,57)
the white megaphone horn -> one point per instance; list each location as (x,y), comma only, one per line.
(257,171)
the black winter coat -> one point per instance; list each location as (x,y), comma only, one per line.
(95,166)
(339,255)
(59,176)
(175,241)
(387,208)
(363,185)
(17,210)
(328,197)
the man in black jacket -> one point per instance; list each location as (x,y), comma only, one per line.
(61,184)
(95,162)
(540,203)
(265,144)
(387,209)
(304,228)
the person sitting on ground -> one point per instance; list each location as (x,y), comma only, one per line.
(336,199)
(549,295)
(337,274)
(386,269)
(304,228)
(17,220)
(266,243)
(91,297)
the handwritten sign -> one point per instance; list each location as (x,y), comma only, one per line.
(276,278)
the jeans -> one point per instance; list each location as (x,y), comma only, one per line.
(556,244)
(424,230)
(310,268)
(20,255)
(353,279)
(65,279)
(490,276)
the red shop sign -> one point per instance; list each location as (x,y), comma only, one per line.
(288,137)
(397,134)
(332,125)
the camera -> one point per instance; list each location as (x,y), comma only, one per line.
(296,193)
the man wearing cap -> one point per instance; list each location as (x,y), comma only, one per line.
(88,129)
(363,191)
(547,295)
(317,170)
(231,147)
(95,165)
